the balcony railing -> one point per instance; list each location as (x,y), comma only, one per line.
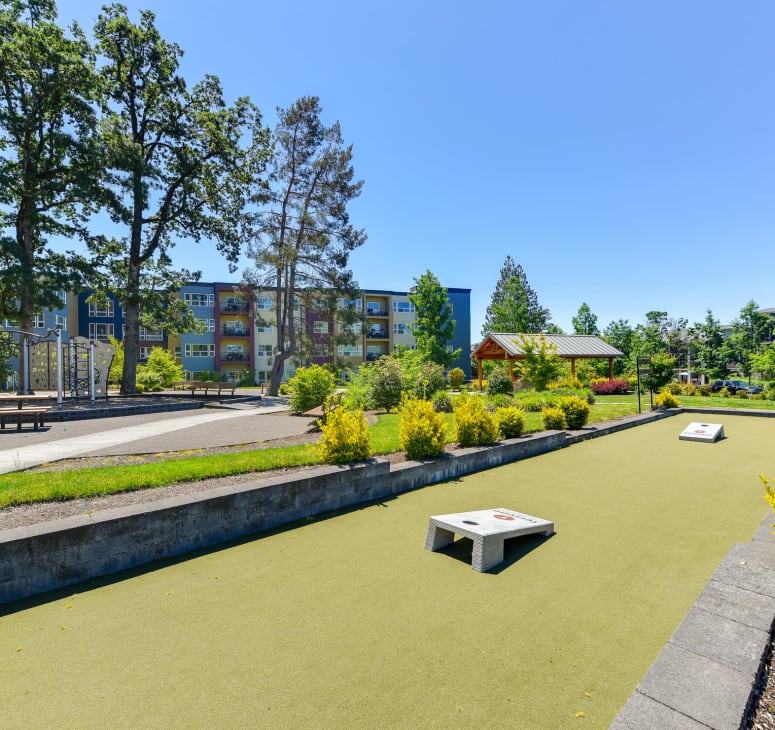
(377,335)
(377,313)
(234,308)
(235,356)
(235,331)
(371,356)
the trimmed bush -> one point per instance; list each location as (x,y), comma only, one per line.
(688,389)
(309,388)
(455,378)
(473,425)
(704,390)
(386,384)
(553,418)
(499,381)
(148,379)
(666,400)
(511,422)
(576,411)
(618,386)
(430,380)
(346,437)
(442,402)
(421,431)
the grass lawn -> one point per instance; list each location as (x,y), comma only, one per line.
(347,622)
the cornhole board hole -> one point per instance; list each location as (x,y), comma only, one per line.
(709,432)
(488,529)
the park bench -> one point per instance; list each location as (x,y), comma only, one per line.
(205,385)
(20,413)
(333,401)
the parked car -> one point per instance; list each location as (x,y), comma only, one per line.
(742,385)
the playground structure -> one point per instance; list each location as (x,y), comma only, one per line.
(79,366)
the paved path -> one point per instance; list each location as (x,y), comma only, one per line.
(147,433)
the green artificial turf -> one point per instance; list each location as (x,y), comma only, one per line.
(348,622)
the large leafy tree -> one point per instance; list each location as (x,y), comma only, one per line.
(707,344)
(585,322)
(184,165)
(514,305)
(621,335)
(433,327)
(50,166)
(750,332)
(303,240)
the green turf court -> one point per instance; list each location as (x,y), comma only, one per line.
(348,622)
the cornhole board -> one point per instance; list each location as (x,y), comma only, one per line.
(488,529)
(709,432)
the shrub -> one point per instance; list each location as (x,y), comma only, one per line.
(617,386)
(742,394)
(566,381)
(511,422)
(284,389)
(724,393)
(553,418)
(421,430)
(500,400)
(442,403)
(769,493)
(500,381)
(386,384)
(163,363)
(666,400)
(346,437)
(688,389)
(473,425)
(148,379)
(455,378)
(704,390)
(309,388)
(576,411)
(531,401)
(429,380)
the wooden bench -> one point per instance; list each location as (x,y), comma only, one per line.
(205,385)
(333,401)
(20,413)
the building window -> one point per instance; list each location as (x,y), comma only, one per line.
(350,329)
(176,352)
(198,299)
(263,302)
(320,350)
(101,310)
(401,328)
(320,327)
(38,320)
(264,350)
(356,304)
(61,322)
(264,328)
(208,324)
(402,306)
(203,350)
(145,352)
(350,350)
(374,308)
(150,335)
(100,331)
(11,323)
(62,296)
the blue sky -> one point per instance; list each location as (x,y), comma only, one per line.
(622,152)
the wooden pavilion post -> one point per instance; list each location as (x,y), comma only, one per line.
(479,369)
(610,368)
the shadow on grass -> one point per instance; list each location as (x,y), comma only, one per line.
(514,549)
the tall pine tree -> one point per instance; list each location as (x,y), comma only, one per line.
(514,305)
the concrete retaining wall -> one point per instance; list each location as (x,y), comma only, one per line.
(56,554)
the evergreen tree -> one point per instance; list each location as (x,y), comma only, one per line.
(585,323)
(707,342)
(433,328)
(514,305)
(303,242)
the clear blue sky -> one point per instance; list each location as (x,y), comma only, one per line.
(622,152)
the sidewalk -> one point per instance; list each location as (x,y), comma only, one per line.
(146,433)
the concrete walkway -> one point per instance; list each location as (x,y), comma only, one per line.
(147,433)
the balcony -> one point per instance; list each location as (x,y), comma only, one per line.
(232,331)
(377,313)
(235,357)
(377,335)
(234,308)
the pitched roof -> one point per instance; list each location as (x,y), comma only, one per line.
(568,346)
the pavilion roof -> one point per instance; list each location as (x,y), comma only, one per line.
(504,344)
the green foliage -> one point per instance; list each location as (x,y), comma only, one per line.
(511,422)
(147,379)
(662,372)
(346,437)
(567,382)
(585,323)
(576,411)
(499,400)
(500,381)
(117,366)
(553,418)
(421,430)
(473,425)
(163,363)
(386,384)
(541,362)
(769,492)
(514,305)
(427,381)
(666,400)
(309,388)
(455,378)
(433,328)
(442,403)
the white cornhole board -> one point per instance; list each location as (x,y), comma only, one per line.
(709,432)
(488,528)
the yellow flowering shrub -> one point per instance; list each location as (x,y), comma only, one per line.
(770,493)
(346,437)
(553,418)
(511,422)
(473,425)
(666,400)
(421,430)
(576,411)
